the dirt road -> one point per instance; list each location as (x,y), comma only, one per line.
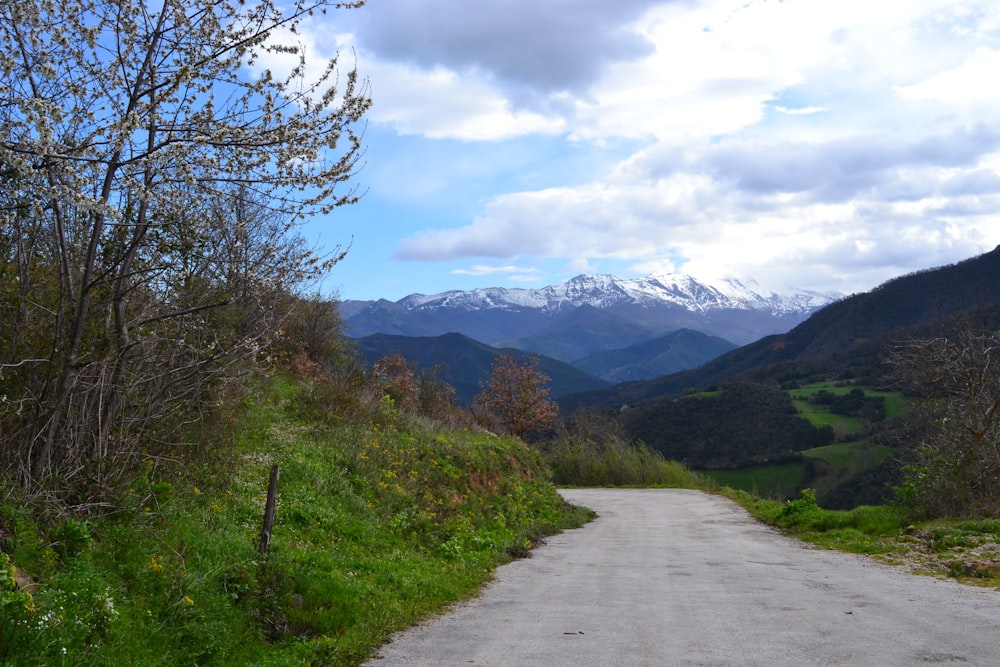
(674,577)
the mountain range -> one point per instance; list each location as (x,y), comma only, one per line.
(593,314)
(846,337)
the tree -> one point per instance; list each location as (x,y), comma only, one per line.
(954,466)
(152,169)
(515,394)
(311,341)
(398,381)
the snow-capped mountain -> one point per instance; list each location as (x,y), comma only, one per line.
(614,310)
(606,291)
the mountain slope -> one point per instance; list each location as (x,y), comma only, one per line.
(581,332)
(672,352)
(465,363)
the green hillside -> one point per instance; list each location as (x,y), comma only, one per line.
(777,442)
(378,523)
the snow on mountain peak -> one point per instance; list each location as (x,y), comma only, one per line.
(605,291)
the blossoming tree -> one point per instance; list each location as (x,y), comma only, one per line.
(155,159)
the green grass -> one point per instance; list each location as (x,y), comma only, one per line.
(377,525)
(895,403)
(585,462)
(945,548)
(865,529)
(843,426)
(854,456)
(814,388)
(704,394)
(769,481)
(820,416)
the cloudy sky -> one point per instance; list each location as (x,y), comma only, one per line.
(819,144)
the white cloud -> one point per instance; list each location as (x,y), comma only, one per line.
(486,270)
(968,84)
(795,142)
(802,111)
(813,232)
(441,104)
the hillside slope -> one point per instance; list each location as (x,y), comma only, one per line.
(672,352)
(377,525)
(465,363)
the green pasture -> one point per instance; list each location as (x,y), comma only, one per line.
(855,456)
(895,403)
(820,416)
(779,480)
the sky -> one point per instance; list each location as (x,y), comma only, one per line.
(826,145)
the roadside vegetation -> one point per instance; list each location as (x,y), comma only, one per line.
(964,549)
(392,504)
(379,522)
(163,350)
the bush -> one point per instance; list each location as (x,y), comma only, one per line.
(613,462)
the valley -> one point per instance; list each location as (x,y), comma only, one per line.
(812,405)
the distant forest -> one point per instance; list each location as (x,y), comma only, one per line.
(742,424)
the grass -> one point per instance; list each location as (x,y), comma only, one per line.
(377,525)
(896,403)
(769,481)
(846,455)
(820,416)
(852,456)
(961,549)
(617,463)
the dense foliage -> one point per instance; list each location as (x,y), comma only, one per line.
(516,397)
(152,173)
(953,437)
(742,424)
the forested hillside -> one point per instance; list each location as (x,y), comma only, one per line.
(743,424)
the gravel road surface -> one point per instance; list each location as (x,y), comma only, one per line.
(677,577)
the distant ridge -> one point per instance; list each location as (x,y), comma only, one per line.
(849,333)
(623,312)
(606,291)
(465,363)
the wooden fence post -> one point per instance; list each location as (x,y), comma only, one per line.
(272,494)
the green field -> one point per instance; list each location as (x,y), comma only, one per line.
(843,426)
(780,480)
(820,416)
(895,403)
(855,456)
(845,458)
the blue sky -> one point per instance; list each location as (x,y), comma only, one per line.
(816,144)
